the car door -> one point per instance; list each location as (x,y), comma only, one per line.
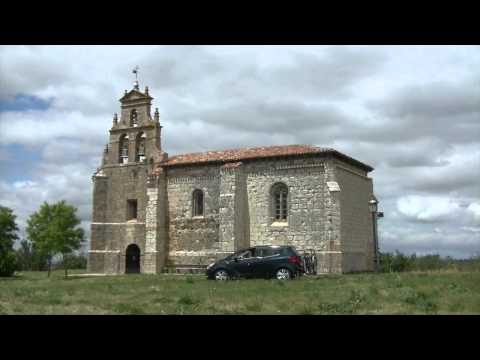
(257,263)
(242,264)
(263,266)
(272,261)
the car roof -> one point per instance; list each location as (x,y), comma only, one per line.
(272,246)
(265,246)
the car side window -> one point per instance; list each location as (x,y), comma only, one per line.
(267,252)
(245,254)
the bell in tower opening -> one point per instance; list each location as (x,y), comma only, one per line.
(141,139)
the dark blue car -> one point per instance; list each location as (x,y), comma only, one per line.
(281,262)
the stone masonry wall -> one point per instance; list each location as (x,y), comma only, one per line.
(330,260)
(238,210)
(192,240)
(156,237)
(111,236)
(356,220)
(305,226)
(241,216)
(227,214)
(96,261)
(126,182)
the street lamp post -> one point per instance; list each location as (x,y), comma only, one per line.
(373,207)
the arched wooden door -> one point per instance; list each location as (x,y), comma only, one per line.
(132,259)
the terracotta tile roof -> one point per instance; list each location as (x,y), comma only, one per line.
(235,155)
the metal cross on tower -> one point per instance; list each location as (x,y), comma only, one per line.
(135,71)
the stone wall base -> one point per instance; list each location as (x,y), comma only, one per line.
(152,263)
(329,262)
(197,259)
(114,263)
(354,262)
(96,263)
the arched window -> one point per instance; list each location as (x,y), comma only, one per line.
(280,201)
(123,149)
(197,203)
(133,118)
(140,147)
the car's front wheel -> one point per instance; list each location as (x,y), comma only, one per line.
(283,274)
(221,275)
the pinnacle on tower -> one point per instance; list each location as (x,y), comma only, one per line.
(115,119)
(157,115)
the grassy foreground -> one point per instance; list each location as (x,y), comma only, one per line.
(394,293)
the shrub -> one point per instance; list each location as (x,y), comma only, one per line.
(8,235)
(398,262)
(429,262)
(29,258)
(394,262)
(7,264)
(77,261)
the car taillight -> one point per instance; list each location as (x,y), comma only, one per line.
(294,260)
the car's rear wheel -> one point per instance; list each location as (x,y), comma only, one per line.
(283,274)
(221,275)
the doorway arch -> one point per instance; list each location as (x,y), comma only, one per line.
(132,259)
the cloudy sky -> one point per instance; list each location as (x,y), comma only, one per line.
(412,112)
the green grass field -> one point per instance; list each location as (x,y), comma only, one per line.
(440,292)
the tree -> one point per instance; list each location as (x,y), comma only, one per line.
(8,235)
(25,255)
(53,230)
(30,258)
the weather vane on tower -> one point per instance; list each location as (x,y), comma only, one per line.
(135,71)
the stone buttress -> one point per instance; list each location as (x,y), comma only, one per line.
(156,232)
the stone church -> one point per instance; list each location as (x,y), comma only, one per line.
(152,211)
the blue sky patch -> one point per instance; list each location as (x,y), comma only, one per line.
(24,102)
(17,162)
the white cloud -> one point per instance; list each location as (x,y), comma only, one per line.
(427,208)
(474,209)
(36,127)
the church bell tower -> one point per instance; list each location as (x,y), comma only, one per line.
(136,137)
(122,211)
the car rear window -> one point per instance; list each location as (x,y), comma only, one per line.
(289,251)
